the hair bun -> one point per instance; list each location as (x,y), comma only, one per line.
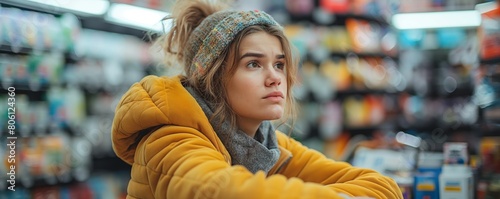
(186,16)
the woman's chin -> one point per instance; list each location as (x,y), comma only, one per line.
(273,118)
(275,115)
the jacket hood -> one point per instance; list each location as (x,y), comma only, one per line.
(154,101)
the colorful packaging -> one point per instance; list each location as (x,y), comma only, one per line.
(455,153)
(335,6)
(365,36)
(456,179)
(426,185)
(337,72)
(330,122)
(489,34)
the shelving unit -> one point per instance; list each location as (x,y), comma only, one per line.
(438,115)
(62,121)
(317,54)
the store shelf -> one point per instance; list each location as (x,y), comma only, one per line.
(43,183)
(98,23)
(377,19)
(490,133)
(489,128)
(341,94)
(457,93)
(37,94)
(362,54)
(490,61)
(34,132)
(361,129)
(338,19)
(434,126)
(354,92)
(88,22)
(6,49)
(109,164)
(461,92)
(69,57)
(351,130)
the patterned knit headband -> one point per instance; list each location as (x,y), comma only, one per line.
(216,32)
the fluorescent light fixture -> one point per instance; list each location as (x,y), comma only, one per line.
(91,7)
(138,17)
(427,20)
(486,7)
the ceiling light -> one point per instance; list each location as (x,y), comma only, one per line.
(91,7)
(428,20)
(138,17)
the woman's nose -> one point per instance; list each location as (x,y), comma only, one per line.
(273,77)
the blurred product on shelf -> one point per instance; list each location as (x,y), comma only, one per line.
(490,172)
(432,39)
(456,154)
(316,82)
(338,73)
(434,113)
(33,72)
(299,7)
(336,6)
(342,148)
(362,112)
(490,155)
(456,179)
(358,36)
(486,74)
(396,162)
(38,31)
(372,8)
(489,34)
(62,109)
(426,179)
(330,122)
(49,160)
(435,5)
(335,39)
(336,77)
(365,36)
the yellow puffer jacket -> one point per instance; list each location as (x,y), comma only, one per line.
(183,158)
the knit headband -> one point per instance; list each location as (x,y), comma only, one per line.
(220,36)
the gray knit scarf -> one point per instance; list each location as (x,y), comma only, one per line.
(256,154)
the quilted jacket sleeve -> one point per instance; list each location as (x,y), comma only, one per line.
(181,163)
(312,166)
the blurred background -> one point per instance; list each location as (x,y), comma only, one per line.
(401,86)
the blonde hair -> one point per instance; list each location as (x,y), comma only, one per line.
(187,16)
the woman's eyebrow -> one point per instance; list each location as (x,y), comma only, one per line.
(260,55)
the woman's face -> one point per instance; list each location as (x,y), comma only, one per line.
(257,91)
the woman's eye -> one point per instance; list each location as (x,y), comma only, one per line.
(253,64)
(280,66)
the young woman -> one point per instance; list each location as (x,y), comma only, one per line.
(207,133)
